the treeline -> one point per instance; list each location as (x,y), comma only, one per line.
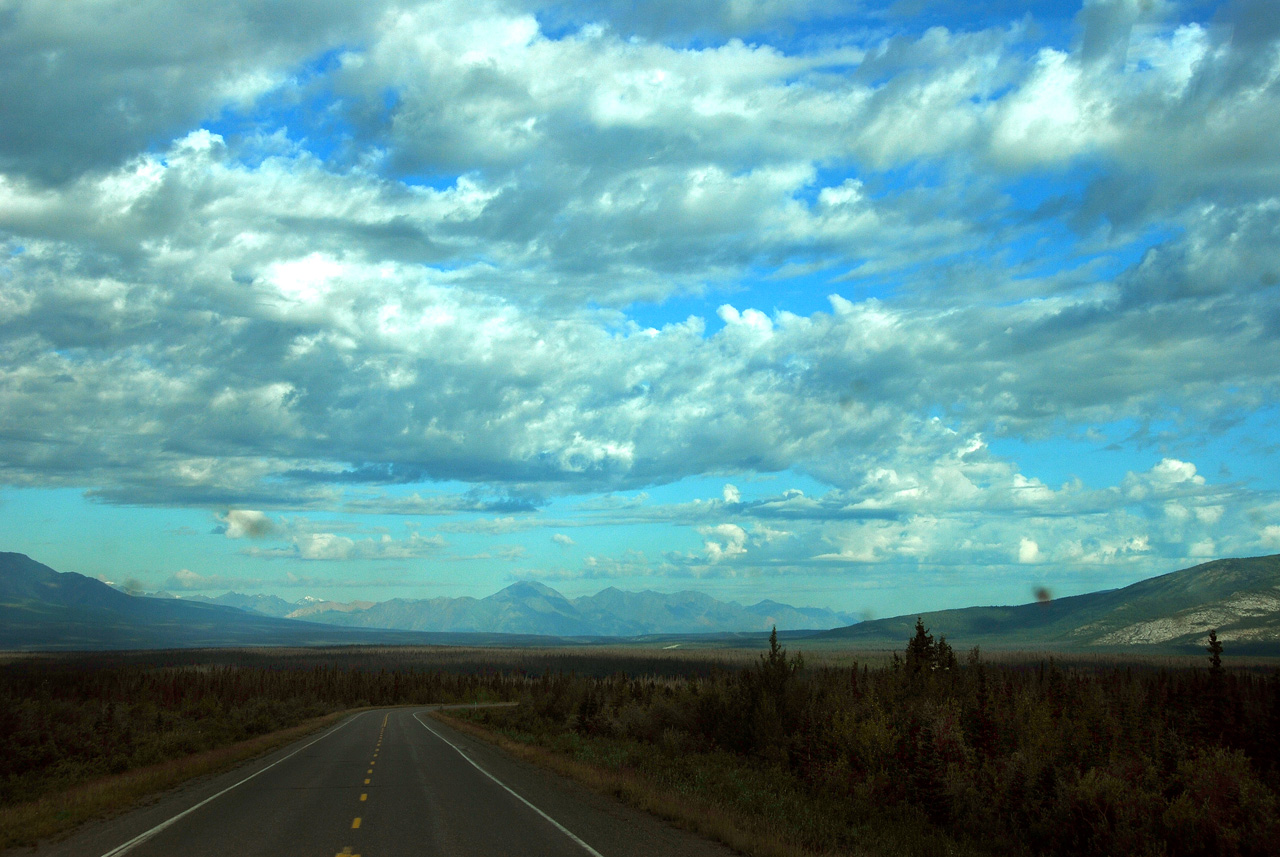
(64,721)
(982,757)
(598,661)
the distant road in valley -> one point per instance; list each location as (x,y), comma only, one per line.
(384,783)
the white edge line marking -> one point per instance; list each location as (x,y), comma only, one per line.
(143,837)
(566,831)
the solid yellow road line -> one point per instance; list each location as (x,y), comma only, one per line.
(355,824)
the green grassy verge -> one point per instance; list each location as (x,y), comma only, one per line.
(54,815)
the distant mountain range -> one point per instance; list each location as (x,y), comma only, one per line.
(41,609)
(45,610)
(1173,612)
(533,608)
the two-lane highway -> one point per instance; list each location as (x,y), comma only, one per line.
(388,783)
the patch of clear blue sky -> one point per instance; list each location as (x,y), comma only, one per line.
(752,486)
(799,32)
(757,288)
(1241,448)
(686,490)
(308,111)
(1054,20)
(53,525)
(1032,234)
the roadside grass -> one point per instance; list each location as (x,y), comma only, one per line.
(56,814)
(759,812)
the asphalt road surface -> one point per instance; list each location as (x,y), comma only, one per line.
(387,783)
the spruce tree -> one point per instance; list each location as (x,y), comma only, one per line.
(1215,654)
(943,657)
(1216,714)
(926,782)
(921,651)
(773,716)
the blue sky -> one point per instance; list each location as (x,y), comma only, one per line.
(876,306)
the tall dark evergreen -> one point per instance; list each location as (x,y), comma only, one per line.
(943,657)
(920,650)
(1215,654)
(926,777)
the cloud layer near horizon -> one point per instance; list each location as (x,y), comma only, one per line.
(303,255)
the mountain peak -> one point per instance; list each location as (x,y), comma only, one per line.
(529,589)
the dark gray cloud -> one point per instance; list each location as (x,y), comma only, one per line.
(88,88)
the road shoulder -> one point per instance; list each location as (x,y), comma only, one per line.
(98,835)
(595,811)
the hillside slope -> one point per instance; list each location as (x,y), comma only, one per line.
(1173,612)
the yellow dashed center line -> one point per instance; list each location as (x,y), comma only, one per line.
(364,796)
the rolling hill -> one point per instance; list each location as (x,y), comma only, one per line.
(1172,612)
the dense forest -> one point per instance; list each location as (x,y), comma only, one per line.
(1030,758)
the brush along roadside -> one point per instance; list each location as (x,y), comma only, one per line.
(756,812)
(54,815)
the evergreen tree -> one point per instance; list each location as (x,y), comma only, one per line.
(1216,712)
(773,715)
(943,657)
(1215,654)
(776,669)
(925,777)
(921,650)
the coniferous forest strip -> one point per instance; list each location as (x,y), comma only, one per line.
(923,753)
(932,755)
